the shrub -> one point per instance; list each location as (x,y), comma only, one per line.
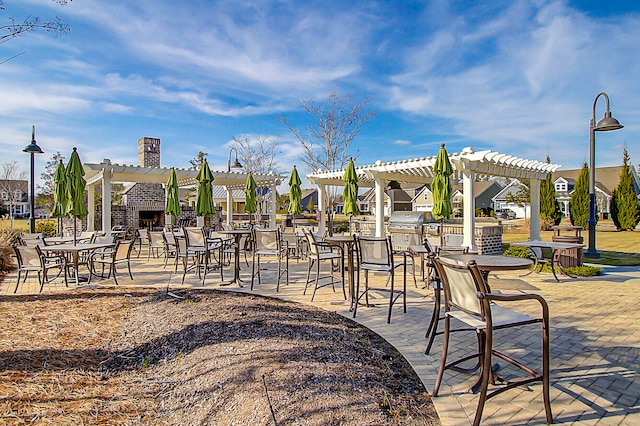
(8,236)
(515,251)
(47,227)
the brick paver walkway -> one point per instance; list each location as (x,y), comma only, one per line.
(595,341)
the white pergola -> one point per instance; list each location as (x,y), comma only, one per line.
(469,164)
(105,173)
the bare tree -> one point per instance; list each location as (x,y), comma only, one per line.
(15,28)
(13,186)
(258,155)
(327,142)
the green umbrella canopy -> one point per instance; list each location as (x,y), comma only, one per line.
(250,195)
(441,185)
(204,202)
(350,192)
(295,193)
(59,191)
(173,199)
(75,187)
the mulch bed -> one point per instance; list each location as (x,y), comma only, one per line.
(139,356)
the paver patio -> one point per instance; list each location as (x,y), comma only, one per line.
(595,340)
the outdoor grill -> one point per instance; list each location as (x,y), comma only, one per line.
(405,229)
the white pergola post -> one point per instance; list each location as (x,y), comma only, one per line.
(380,184)
(469,211)
(272,206)
(321,194)
(106,202)
(534,199)
(91,201)
(229,205)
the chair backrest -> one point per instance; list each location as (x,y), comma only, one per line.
(169,239)
(103,239)
(461,283)
(156,238)
(123,250)
(311,241)
(28,256)
(266,239)
(181,244)
(194,237)
(143,235)
(427,245)
(32,239)
(86,235)
(374,251)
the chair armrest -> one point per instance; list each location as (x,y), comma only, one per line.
(330,246)
(516,298)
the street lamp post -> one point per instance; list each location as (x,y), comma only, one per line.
(32,149)
(236,164)
(606,124)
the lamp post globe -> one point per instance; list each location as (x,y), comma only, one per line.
(32,149)
(604,125)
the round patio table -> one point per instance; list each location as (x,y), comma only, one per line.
(236,234)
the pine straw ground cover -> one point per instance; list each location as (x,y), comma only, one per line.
(124,356)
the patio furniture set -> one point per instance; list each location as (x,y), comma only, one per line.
(462,291)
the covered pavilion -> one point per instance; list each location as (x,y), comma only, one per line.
(468,164)
(105,173)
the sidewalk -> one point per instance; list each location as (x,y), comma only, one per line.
(595,340)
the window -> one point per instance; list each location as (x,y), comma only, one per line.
(17,195)
(426,196)
(5,196)
(561,186)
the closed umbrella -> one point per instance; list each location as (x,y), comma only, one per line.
(75,190)
(250,196)
(350,192)
(295,193)
(441,188)
(204,202)
(59,194)
(173,199)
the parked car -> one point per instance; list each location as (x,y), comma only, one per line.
(504,214)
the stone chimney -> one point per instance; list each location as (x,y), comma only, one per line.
(149,152)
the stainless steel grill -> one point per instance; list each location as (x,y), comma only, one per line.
(405,229)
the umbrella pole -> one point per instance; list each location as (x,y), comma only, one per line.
(441,233)
(74,231)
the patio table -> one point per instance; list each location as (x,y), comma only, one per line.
(237,235)
(74,251)
(556,248)
(347,242)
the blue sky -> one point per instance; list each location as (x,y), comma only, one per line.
(517,77)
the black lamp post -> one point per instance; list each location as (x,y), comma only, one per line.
(606,124)
(33,148)
(236,164)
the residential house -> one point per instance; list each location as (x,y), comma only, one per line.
(396,198)
(13,195)
(607,178)
(484,192)
(500,200)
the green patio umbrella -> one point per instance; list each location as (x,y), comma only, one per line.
(350,192)
(250,196)
(441,188)
(295,193)
(59,194)
(172,198)
(75,190)
(204,202)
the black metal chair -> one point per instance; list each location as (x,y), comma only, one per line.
(377,255)
(468,299)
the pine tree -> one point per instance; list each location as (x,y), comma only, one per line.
(579,203)
(624,208)
(550,213)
